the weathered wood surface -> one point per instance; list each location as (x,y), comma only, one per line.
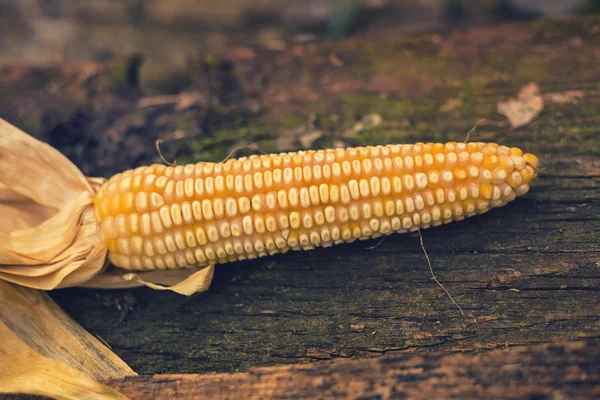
(550,371)
(527,273)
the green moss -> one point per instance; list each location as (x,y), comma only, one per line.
(184,124)
(288,122)
(218,145)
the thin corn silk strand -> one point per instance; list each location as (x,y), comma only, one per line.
(436,279)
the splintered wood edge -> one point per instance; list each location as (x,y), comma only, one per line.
(542,371)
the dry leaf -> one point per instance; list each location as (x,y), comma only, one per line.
(285,142)
(451,104)
(183,281)
(569,96)
(44,352)
(367,122)
(24,371)
(57,242)
(49,237)
(182,101)
(43,326)
(309,138)
(525,108)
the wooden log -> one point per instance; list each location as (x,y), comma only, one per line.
(549,371)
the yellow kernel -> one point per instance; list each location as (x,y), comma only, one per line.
(186,212)
(209,187)
(410,204)
(176,214)
(199,187)
(114,205)
(499,175)
(108,228)
(486,190)
(244,205)
(354,212)
(157,226)
(156,200)
(304,197)
(161,183)
(378,208)
(248,225)
(460,174)
(146,224)
(345,194)
(518,161)
(421,180)
(514,179)
(149,182)
(197,210)
(165,216)
(259,224)
(409,182)
(133,222)
(293,197)
(189,188)
(313,192)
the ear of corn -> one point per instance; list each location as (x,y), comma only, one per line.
(161,217)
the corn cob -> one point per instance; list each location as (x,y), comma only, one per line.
(160,217)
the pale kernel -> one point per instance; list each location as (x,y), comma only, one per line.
(421,180)
(176,214)
(141,202)
(165,216)
(156,222)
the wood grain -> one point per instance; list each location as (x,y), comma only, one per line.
(551,371)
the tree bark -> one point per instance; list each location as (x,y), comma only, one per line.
(549,371)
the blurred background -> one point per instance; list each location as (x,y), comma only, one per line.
(165,32)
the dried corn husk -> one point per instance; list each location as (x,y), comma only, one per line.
(44,352)
(49,237)
(24,371)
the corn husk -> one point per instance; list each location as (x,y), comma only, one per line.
(48,236)
(44,352)
(49,239)
(24,371)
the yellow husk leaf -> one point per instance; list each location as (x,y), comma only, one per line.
(44,352)
(185,281)
(43,326)
(24,371)
(49,237)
